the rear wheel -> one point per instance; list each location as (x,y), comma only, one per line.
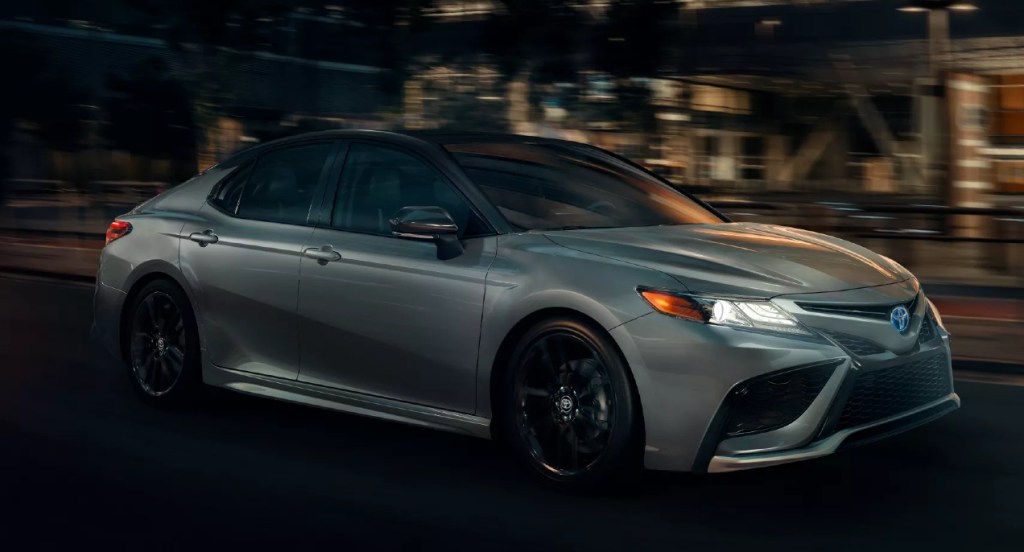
(162,353)
(567,406)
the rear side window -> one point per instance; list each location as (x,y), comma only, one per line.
(228,192)
(282,185)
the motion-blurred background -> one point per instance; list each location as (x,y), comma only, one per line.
(895,124)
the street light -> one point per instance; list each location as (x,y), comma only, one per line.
(928,5)
(938,26)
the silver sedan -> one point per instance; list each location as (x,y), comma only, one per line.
(545,293)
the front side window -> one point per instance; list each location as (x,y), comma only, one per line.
(377,181)
(283,183)
(549,186)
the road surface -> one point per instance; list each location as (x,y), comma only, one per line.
(84,463)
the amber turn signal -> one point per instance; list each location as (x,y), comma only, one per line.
(674,305)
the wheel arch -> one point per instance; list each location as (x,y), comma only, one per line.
(499,364)
(139,279)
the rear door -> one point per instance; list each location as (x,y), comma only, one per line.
(241,257)
(382,315)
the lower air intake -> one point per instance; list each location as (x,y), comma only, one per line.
(882,393)
(775,400)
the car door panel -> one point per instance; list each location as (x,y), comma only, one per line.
(241,257)
(390,319)
(382,315)
(247,286)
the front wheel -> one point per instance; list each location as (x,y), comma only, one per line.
(567,406)
(162,353)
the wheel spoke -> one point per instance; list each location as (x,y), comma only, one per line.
(548,360)
(592,391)
(574,447)
(162,375)
(176,357)
(543,425)
(151,316)
(589,418)
(163,314)
(175,324)
(560,443)
(153,372)
(537,392)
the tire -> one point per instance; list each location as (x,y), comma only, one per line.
(568,409)
(162,354)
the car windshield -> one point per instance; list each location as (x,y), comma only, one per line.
(560,186)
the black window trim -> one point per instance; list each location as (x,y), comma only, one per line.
(251,164)
(232,173)
(331,195)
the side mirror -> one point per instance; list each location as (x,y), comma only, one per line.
(428,223)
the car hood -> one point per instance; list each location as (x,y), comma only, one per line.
(744,259)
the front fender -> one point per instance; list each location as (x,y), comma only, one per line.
(532,274)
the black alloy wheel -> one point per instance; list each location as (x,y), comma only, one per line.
(163,345)
(569,408)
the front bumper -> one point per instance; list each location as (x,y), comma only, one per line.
(687,373)
(841,439)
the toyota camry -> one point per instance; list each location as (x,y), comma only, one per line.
(548,294)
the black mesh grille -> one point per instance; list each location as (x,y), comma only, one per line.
(856,345)
(883,393)
(767,403)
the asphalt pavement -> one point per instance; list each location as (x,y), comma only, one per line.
(84,463)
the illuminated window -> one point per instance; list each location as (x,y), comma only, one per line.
(722,100)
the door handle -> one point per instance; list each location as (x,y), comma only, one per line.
(204,238)
(323,255)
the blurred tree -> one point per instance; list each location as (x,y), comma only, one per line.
(205,36)
(537,38)
(633,43)
(633,39)
(212,38)
(634,108)
(36,97)
(394,25)
(149,113)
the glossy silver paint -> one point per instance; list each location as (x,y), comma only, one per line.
(248,284)
(389,319)
(380,326)
(744,259)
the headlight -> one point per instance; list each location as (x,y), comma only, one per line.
(753,315)
(935,313)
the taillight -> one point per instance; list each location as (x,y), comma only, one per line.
(117,229)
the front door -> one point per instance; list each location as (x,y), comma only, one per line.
(382,315)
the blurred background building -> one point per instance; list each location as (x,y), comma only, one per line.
(901,120)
